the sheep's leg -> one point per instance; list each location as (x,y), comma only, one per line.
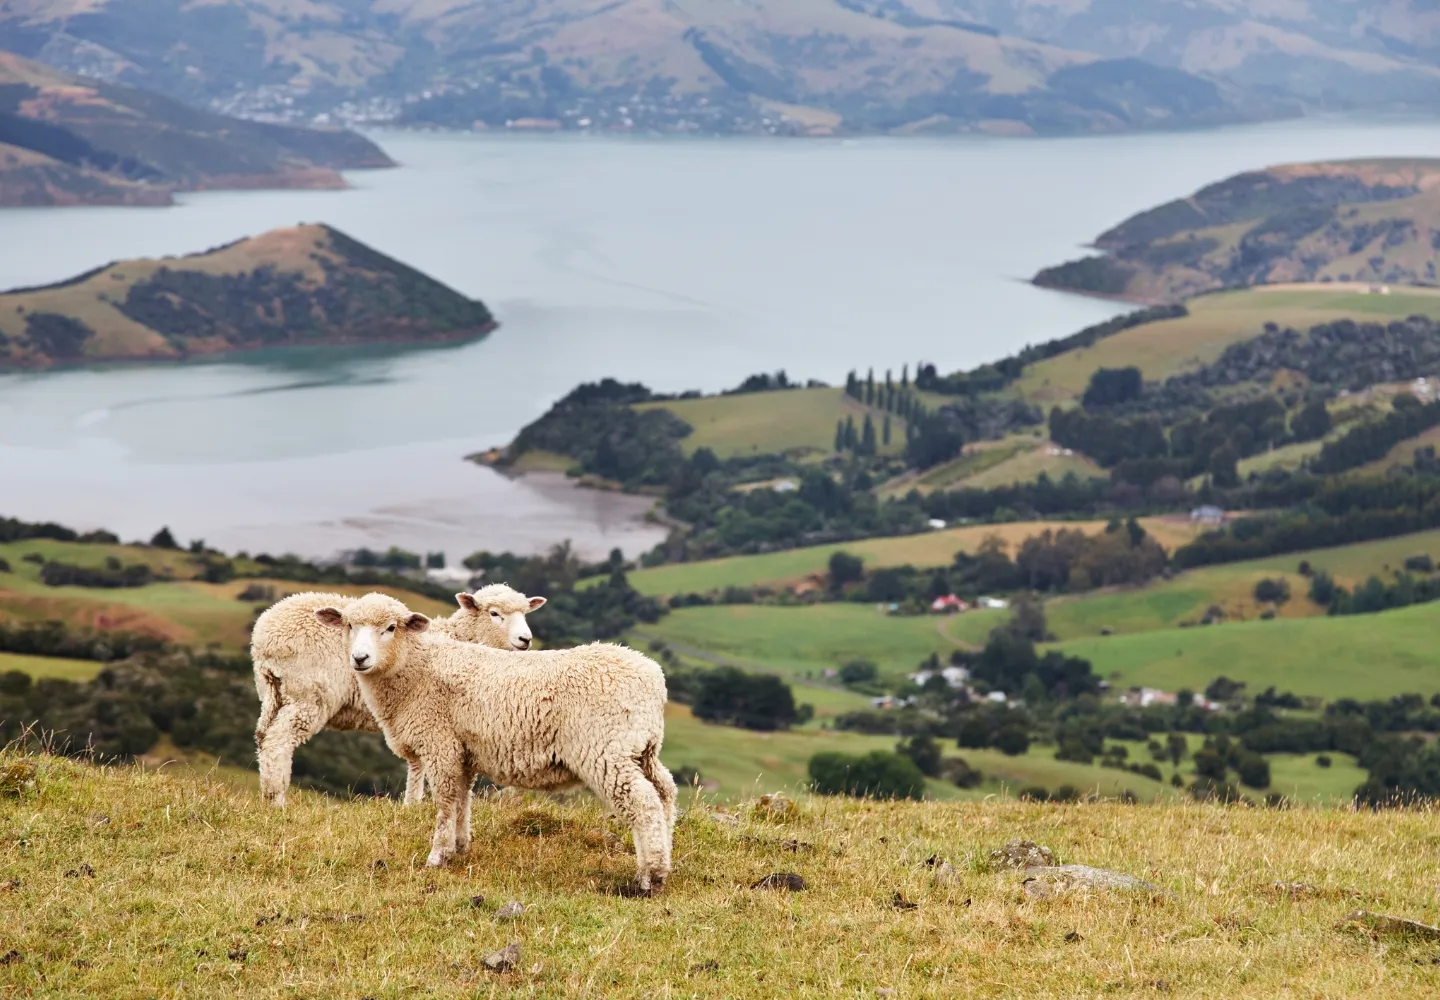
(414,782)
(447,779)
(659,776)
(623,786)
(292,726)
(462,816)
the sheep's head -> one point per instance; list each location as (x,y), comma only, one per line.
(495,616)
(371,626)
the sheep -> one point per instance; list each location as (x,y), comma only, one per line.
(305,683)
(541,720)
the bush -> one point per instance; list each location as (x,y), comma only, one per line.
(960,773)
(58,574)
(4,566)
(1323,760)
(924,751)
(751,701)
(879,774)
(1254,770)
(1322,588)
(845,568)
(858,672)
(1421,563)
(1012,740)
(1272,590)
(163,540)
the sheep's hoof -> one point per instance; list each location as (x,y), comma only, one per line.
(437,858)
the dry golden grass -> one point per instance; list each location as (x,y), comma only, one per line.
(123,883)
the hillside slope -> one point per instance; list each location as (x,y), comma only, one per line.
(126,883)
(711,65)
(1374,221)
(308,284)
(68,140)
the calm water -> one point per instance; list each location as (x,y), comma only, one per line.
(682,263)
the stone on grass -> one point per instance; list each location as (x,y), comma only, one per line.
(776,805)
(510,911)
(1385,925)
(1022,854)
(945,874)
(505,959)
(1044,882)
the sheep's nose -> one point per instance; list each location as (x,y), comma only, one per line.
(361,659)
(523,642)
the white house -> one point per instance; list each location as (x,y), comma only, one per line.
(993,603)
(954,676)
(1208,514)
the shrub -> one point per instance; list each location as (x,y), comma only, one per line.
(961,774)
(4,566)
(845,568)
(1012,740)
(924,751)
(752,701)
(1322,588)
(879,774)
(858,672)
(1421,563)
(1034,793)
(163,540)
(1272,591)
(1254,770)
(1323,760)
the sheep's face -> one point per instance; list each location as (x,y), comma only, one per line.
(372,633)
(497,616)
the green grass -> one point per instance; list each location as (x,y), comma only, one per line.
(1215,322)
(781,421)
(49,666)
(932,548)
(796,641)
(197,890)
(1354,656)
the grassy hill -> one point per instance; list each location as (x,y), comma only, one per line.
(67,140)
(1215,321)
(128,883)
(307,284)
(1372,221)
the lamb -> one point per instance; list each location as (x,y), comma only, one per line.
(541,720)
(305,684)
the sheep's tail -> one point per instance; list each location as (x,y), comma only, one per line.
(659,776)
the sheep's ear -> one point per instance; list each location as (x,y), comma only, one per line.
(416,623)
(330,617)
(467,601)
(536,603)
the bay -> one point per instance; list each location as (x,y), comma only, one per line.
(683,263)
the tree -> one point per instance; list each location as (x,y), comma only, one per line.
(164,540)
(924,751)
(1012,740)
(1177,747)
(879,774)
(870,387)
(1322,588)
(885,432)
(1222,465)
(1111,386)
(867,437)
(904,376)
(1254,770)
(1313,421)
(839,435)
(858,672)
(850,439)
(845,568)
(1272,590)
(752,701)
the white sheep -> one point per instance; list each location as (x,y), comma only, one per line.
(540,720)
(303,675)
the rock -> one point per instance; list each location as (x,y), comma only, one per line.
(707,966)
(725,819)
(1022,854)
(505,959)
(1043,882)
(776,805)
(1073,937)
(788,881)
(510,911)
(11,957)
(84,871)
(1383,924)
(901,903)
(1294,890)
(945,874)
(477,901)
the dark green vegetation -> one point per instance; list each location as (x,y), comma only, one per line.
(876,775)
(1356,221)
(71,141)
(309,284)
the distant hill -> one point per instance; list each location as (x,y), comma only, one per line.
(800,65)
(1373,221)
(308,284)
(68,140)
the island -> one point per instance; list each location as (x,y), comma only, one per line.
(1368,222)
(307,284)
(67,140)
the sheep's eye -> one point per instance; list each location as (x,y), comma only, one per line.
(494,614)
(390,629)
